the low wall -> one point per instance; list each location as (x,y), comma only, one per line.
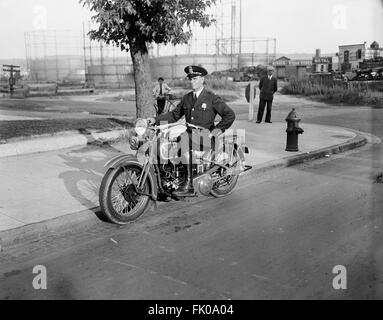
(110,76)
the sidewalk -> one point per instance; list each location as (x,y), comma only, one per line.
(54,188)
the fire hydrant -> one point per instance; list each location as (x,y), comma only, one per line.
(293,129)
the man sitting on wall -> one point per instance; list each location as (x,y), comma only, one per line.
(159,92)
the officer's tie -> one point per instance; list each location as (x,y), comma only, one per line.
(194,98)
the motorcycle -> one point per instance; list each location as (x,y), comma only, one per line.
(133,182)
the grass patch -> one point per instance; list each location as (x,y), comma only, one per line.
(118,98)
(28,128)
(333,92)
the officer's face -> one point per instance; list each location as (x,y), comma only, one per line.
(197,83)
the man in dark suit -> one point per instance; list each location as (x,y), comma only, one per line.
(199,107)
(268,86)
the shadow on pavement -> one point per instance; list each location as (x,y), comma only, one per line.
(83,181)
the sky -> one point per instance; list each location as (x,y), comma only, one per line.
(298,25)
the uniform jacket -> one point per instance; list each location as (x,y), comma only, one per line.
(268,88)
(202,113)
(165,89)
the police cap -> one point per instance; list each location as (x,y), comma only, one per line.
(195,71)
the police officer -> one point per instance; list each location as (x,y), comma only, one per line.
(199,107)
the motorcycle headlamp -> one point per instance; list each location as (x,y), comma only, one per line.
(140,126)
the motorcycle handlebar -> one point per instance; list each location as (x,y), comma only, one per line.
(151,125)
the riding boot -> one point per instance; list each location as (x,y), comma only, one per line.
(186,189)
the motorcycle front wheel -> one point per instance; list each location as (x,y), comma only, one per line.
(119,200)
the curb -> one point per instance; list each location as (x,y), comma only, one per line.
(87,218)
(36,231)
(58,141)
(358,141)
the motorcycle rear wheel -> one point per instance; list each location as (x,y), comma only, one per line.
(119,201)
(222,189)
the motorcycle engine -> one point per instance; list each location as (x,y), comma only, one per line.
(171,176)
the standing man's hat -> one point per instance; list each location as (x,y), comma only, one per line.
(270,68)
(195,71)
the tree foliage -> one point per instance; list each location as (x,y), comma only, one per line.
(134,24)
(127,22)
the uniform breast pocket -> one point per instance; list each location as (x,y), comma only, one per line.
(203,107)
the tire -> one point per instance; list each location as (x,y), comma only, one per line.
(115,211)
(222,192)
(219,191)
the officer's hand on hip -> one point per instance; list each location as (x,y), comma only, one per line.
(215,133)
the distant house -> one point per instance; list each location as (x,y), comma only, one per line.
(282,61)
(351,55)
(291,68)
(322,64)
(374,51)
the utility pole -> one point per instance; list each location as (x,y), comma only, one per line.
(232,45)
(84,44)
(240,26)
(102,61)
(12,80)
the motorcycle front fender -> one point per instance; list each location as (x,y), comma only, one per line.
(126,159)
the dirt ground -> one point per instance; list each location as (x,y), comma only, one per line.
(25,117)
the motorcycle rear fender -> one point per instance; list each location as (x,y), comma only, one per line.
(127,159)
(241,147)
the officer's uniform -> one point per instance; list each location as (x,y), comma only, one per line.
(201,112)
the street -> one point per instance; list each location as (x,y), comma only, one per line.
(289,207)
(278,236)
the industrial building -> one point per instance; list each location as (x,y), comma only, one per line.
(72,57)
(351,55)
(356,56)
(286,68)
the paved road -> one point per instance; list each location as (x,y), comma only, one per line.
(278,236)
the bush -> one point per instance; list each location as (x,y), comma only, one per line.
(220,84)
(182,83)
(337,92)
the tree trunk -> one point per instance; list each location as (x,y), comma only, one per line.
(142,79)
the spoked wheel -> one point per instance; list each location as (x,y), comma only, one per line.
(226,180)
(120,200)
